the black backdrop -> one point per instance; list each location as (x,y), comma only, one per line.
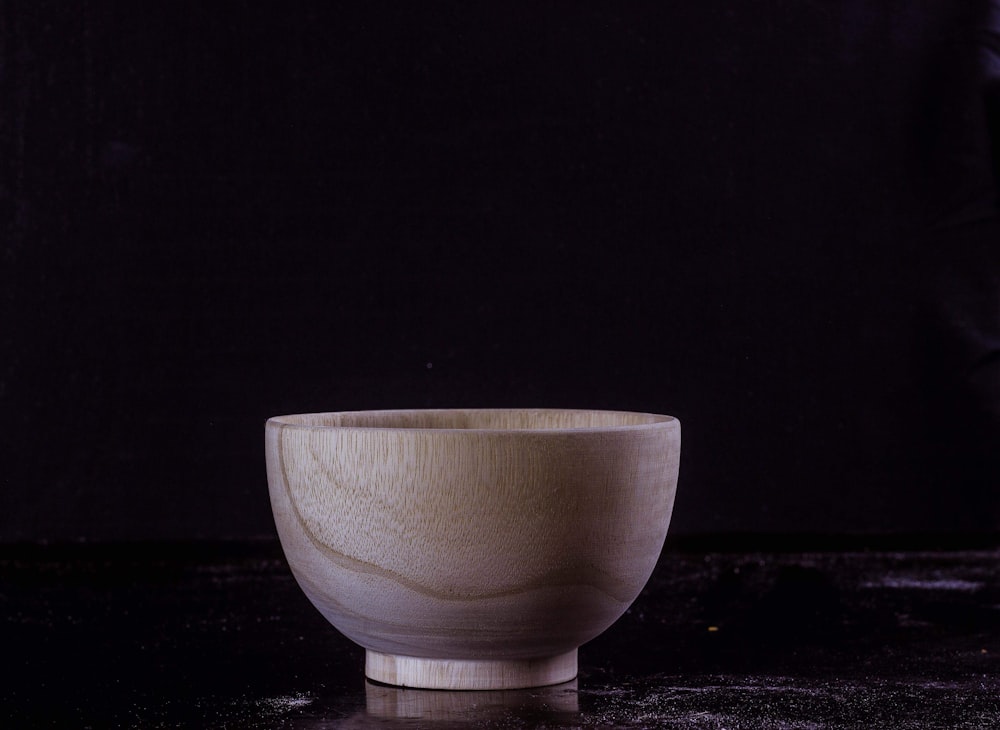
(218,212)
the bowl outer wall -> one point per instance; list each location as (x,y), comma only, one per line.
(472,544)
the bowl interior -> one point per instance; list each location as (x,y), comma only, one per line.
(507,419)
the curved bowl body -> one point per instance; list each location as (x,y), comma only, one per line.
(499,536)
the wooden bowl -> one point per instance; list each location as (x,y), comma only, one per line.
(472,549)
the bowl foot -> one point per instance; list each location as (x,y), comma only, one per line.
(408,671)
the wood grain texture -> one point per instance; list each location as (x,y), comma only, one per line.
(408,671)
(472,535)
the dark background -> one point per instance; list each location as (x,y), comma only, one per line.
(774,220)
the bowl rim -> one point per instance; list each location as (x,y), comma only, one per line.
(657,420)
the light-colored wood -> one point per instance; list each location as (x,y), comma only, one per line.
(545,705)
(472,535)
(407,671)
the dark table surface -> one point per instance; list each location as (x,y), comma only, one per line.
(735,634)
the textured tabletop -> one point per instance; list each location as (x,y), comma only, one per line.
(219,635)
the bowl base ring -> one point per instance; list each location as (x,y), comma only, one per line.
(408,671)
